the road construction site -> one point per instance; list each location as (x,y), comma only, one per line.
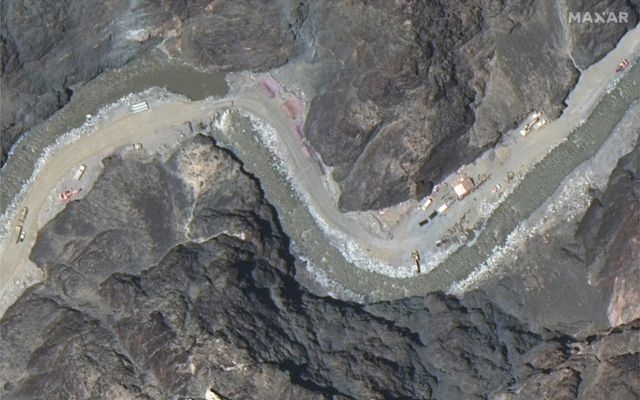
(369,253)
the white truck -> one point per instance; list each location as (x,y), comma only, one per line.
(443,208)
(80,172)
(427,203)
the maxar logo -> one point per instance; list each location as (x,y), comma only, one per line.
(598,17)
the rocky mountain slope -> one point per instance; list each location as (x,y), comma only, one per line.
(398,108)
(172,279)
(611,242)
(48,48)
(581,277)
(400,93)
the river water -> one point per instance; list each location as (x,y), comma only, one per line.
(140,74)
(297,222)
(538,185)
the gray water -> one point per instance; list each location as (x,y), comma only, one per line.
(139,75)
(308,239)
(538,185)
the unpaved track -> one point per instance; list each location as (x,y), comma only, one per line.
(101,143)
(135,127)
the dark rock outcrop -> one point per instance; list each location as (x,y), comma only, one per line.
(600,367)
(583,276)
(396,108)
(611,240)
(205,305)
(591,41)
(401,92)
(49,48)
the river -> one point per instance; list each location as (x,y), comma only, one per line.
(297,222)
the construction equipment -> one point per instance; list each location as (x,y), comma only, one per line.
(415,256)
(534,121)
(68,195)
(23,214)
(624,64)
(19,234)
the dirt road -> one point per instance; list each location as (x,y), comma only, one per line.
(351,234)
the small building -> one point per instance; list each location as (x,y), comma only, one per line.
(463,187)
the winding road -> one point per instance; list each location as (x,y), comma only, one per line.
(350,233)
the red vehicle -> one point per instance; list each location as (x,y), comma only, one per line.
(68,195)
(623,65)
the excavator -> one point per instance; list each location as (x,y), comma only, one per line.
(68,195)
(415,256)
(624,64)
